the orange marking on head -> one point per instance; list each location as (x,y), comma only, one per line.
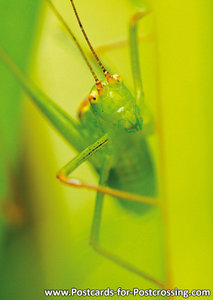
(84,106)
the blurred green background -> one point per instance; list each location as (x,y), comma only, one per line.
(44,226)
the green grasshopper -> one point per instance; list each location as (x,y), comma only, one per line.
(111,121)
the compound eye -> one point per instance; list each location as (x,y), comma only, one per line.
(93,97)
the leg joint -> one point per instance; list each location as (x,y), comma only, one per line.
(137,16)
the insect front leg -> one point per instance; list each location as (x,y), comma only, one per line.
(64,173)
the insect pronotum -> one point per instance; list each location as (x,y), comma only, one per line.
(112,122)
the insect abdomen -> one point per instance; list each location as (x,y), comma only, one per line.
(134,172)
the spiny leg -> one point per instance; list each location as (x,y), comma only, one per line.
(95,230)
(63,176)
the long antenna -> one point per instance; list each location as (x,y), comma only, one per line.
(87,39)
(61,19)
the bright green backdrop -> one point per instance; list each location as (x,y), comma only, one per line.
(50,248)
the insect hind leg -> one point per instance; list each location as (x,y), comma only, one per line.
(95,233)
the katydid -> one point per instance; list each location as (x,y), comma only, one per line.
(111,123)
